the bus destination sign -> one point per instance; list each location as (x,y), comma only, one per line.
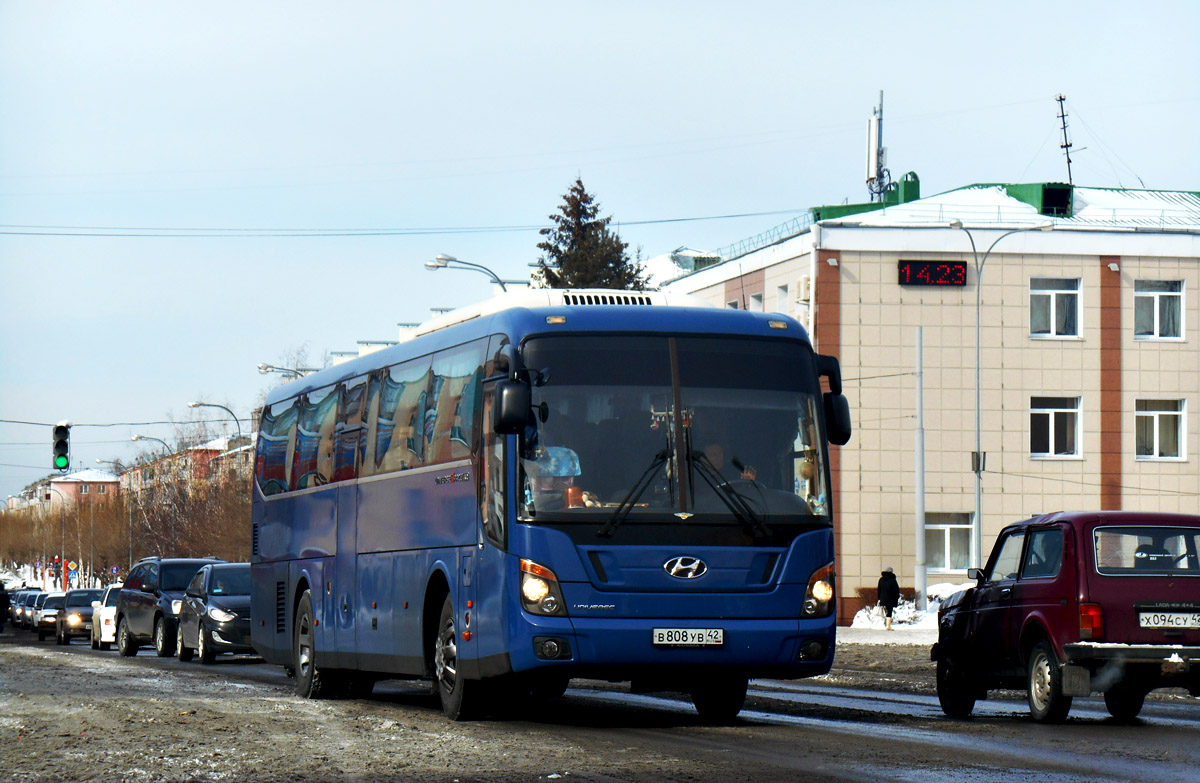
(935,273)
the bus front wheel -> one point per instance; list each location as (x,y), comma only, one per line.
(720,700)
(311,682)
(461,698)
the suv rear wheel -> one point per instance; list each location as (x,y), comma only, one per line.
(1124,702)
(1047,702)
(125,642)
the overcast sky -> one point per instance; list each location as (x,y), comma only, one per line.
(434,121)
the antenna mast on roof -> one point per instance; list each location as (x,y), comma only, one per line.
(1066,145)
(878,177)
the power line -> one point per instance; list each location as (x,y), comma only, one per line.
(177,232)
(1094,483)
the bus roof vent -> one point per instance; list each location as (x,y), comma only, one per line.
(605,298)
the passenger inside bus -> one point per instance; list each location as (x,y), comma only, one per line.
(551,480)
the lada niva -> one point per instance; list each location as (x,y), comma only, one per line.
(1075,603)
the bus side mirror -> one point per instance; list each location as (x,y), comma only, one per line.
(511,409)
(837,418)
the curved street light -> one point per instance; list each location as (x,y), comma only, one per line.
(222,407)
(444,261)
(977,456)
(297,372)
(166,446)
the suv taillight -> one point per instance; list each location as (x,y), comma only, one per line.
(1091,622)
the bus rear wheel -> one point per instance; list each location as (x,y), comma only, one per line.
(720,700)
(311,682)
(461,698)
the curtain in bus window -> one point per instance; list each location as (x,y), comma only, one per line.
(451,414)
(275,436)
(399,443)
(314,438)
(348,430)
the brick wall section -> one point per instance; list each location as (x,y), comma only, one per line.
(827,338)
(739,289)
(1110,385)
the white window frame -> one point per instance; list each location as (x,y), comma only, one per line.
(1053,295)
(83,489)
(944,523)
(756,304)
(732,304)
(1154,297)
(782,300)
(1054,413)
(1180,417)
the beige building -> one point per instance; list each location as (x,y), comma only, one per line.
(1089,359)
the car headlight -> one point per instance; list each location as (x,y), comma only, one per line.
(540,593)
(220,615)
(176,605)
(74,619)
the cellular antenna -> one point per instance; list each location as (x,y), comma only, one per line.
(878,177)
(1066,142)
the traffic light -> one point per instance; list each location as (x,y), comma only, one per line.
(62,446)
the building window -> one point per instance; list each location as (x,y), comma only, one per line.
(101,489)
(781,299)
(1053,427)
(83,489)
(732,305)
(1053,307)
(1159,429)
(1157,309)
(756,303)
(947,542)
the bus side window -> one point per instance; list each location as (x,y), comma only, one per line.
(399,424)
(348,430)
(273,462)
(451,414)
(313,461)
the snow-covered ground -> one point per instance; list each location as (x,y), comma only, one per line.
(910,625)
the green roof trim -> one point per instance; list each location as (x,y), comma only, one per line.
(906,190)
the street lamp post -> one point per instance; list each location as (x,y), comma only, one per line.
(444,261)
(297,372)
(977,457)
(222,407)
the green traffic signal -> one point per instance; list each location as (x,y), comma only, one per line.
(62,446)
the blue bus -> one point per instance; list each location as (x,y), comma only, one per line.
(622,486)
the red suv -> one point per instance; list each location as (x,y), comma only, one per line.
(1075,603)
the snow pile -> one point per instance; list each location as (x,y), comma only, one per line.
(906,614)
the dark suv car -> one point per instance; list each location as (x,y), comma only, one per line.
(148,609)
(1075,603)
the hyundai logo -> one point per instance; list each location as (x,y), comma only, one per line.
(684,567)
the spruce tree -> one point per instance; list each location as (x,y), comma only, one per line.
(581,252)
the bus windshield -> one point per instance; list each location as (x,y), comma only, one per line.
(633,429)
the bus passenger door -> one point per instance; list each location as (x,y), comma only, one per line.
(341,603)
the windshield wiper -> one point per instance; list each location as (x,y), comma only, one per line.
(635,492)
(733,499)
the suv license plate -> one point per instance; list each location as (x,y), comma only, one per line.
(1169,619)
(689,637)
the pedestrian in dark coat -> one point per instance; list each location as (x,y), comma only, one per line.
(889,594)
(3,606)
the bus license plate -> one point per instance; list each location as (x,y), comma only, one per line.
(689,637)
(1169,619)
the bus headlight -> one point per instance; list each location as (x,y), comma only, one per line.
(818,600)
(540,593)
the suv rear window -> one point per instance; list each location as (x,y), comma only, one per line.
(1145,550)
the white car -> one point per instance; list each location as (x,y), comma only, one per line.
(45,614)
(104,618)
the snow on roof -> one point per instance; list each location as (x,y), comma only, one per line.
(90,475)
(992,205)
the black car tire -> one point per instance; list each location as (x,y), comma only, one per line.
(61,638)
(720,699)
(955,691)
(41,634)
(126,644)
(1047,702)
(95,639)
(462,699)
(1124,701)
(204,646)
(162,648)
(311,682)
(182,651)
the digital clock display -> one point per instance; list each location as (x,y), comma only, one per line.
(933,273)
